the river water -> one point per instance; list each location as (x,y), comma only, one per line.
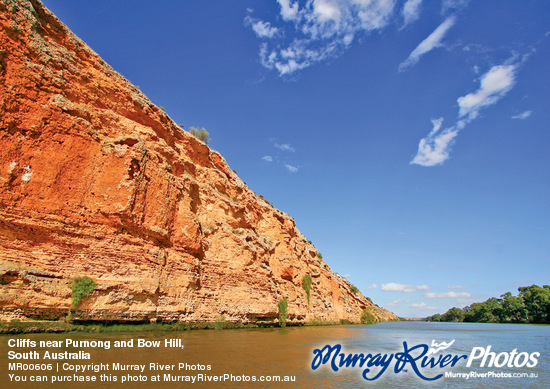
(260,354)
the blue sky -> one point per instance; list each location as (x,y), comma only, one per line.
(408,139)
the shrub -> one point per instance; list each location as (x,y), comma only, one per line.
(81,287)
(367,317)
(306,284)
(201,134)
(283,305)
(319,255)
(353,289)
(220,322)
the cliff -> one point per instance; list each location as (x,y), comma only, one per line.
(96,180)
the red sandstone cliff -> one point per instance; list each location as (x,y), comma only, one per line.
(96,180)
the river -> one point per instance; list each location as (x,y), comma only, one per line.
(260,354)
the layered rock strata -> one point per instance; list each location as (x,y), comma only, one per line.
(96,180)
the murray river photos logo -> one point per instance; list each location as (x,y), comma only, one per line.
(420,359)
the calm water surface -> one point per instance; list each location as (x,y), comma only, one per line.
(289,352)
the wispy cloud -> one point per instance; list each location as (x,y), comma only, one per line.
(447,295)
(493,86)
(279,159)
(373,286)
(423,305)
(292,169)
(523,115)
(285,147)
(411,11)
(261,29)
(453,5)
(395,302)
(434,149)
(428,44)
(320,29)
(395,287)
(289,9)
(457,287)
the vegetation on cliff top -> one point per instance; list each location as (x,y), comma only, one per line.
(530,305)
(201,134)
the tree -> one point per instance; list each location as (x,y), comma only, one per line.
(513,309)
(531,305)
(436,317)
(201,134)
(453,314)
(483,312)
(537,302)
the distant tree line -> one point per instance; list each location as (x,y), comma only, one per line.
(530,305)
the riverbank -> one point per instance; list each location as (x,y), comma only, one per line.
(16,326)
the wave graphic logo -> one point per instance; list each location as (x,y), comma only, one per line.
(437,347)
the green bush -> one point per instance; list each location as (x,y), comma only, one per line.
(319,255)
(283,305)
(353,289)
(306,284)
(201,134)
(81,287)
(367,317)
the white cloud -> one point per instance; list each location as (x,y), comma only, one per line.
(267,158)
(395,287)
(395,302)
(428,44)
(493,86)
(322,29)
(457,287)
(289,10)
(423,305)
(523,115)
(434,148)
(373,286)
(261,28)
(326,10)
(411,11)
(292,169)
(285,147)
(447,295)
(453,5)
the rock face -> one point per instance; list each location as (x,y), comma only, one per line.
(95,180)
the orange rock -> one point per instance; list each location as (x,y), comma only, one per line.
(96,180)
